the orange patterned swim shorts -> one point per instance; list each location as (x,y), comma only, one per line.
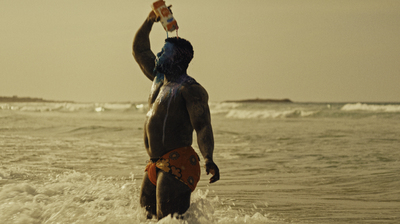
(183,163)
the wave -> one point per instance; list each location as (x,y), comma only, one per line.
(373,107)
(223,107)
(95,129)
(228,109)
(303,110)
(258,111)
(70,107)
(248,114)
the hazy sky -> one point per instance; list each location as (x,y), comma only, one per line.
(304,50)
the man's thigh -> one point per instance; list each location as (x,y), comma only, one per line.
(148,195)
(173,196)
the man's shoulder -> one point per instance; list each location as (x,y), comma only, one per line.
(190,84)
(188,81)
(192,90)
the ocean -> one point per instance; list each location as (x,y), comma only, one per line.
(279,163)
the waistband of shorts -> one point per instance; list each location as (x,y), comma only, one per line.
(154,160)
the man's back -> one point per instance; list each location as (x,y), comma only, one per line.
(168,125)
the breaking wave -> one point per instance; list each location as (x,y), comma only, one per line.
(372,107)
(227,109)
(248,114)
(70,107)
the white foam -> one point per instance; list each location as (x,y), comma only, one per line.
(251,114)
(117,106)
(75,197)
(72,107)
(224,107)
(372,107)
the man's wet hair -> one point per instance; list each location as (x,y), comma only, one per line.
(183,48)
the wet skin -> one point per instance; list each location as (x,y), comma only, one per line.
(165,58)
(178,105)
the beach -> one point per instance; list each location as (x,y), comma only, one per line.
(66,162)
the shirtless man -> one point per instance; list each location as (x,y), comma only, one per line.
(177,106)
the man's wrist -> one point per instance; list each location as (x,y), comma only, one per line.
(208,159)
(150,21)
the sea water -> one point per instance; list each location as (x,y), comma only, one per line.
(279,163)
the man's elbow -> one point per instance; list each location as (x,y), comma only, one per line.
(203,129)
(134,55)
(137,56)
(136,50)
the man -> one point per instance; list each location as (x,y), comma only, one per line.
(177,106)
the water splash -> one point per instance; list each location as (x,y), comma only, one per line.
(71,198)
(75,197)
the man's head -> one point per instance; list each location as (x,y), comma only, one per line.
(175,55)
(183,49)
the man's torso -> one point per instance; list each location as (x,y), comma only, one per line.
(167,125)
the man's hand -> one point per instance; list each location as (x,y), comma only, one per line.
(212,168)
(154,18)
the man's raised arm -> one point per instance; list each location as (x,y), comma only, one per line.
(141,47)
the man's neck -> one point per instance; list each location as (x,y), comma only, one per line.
(175,77)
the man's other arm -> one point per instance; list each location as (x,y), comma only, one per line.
(196,99)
